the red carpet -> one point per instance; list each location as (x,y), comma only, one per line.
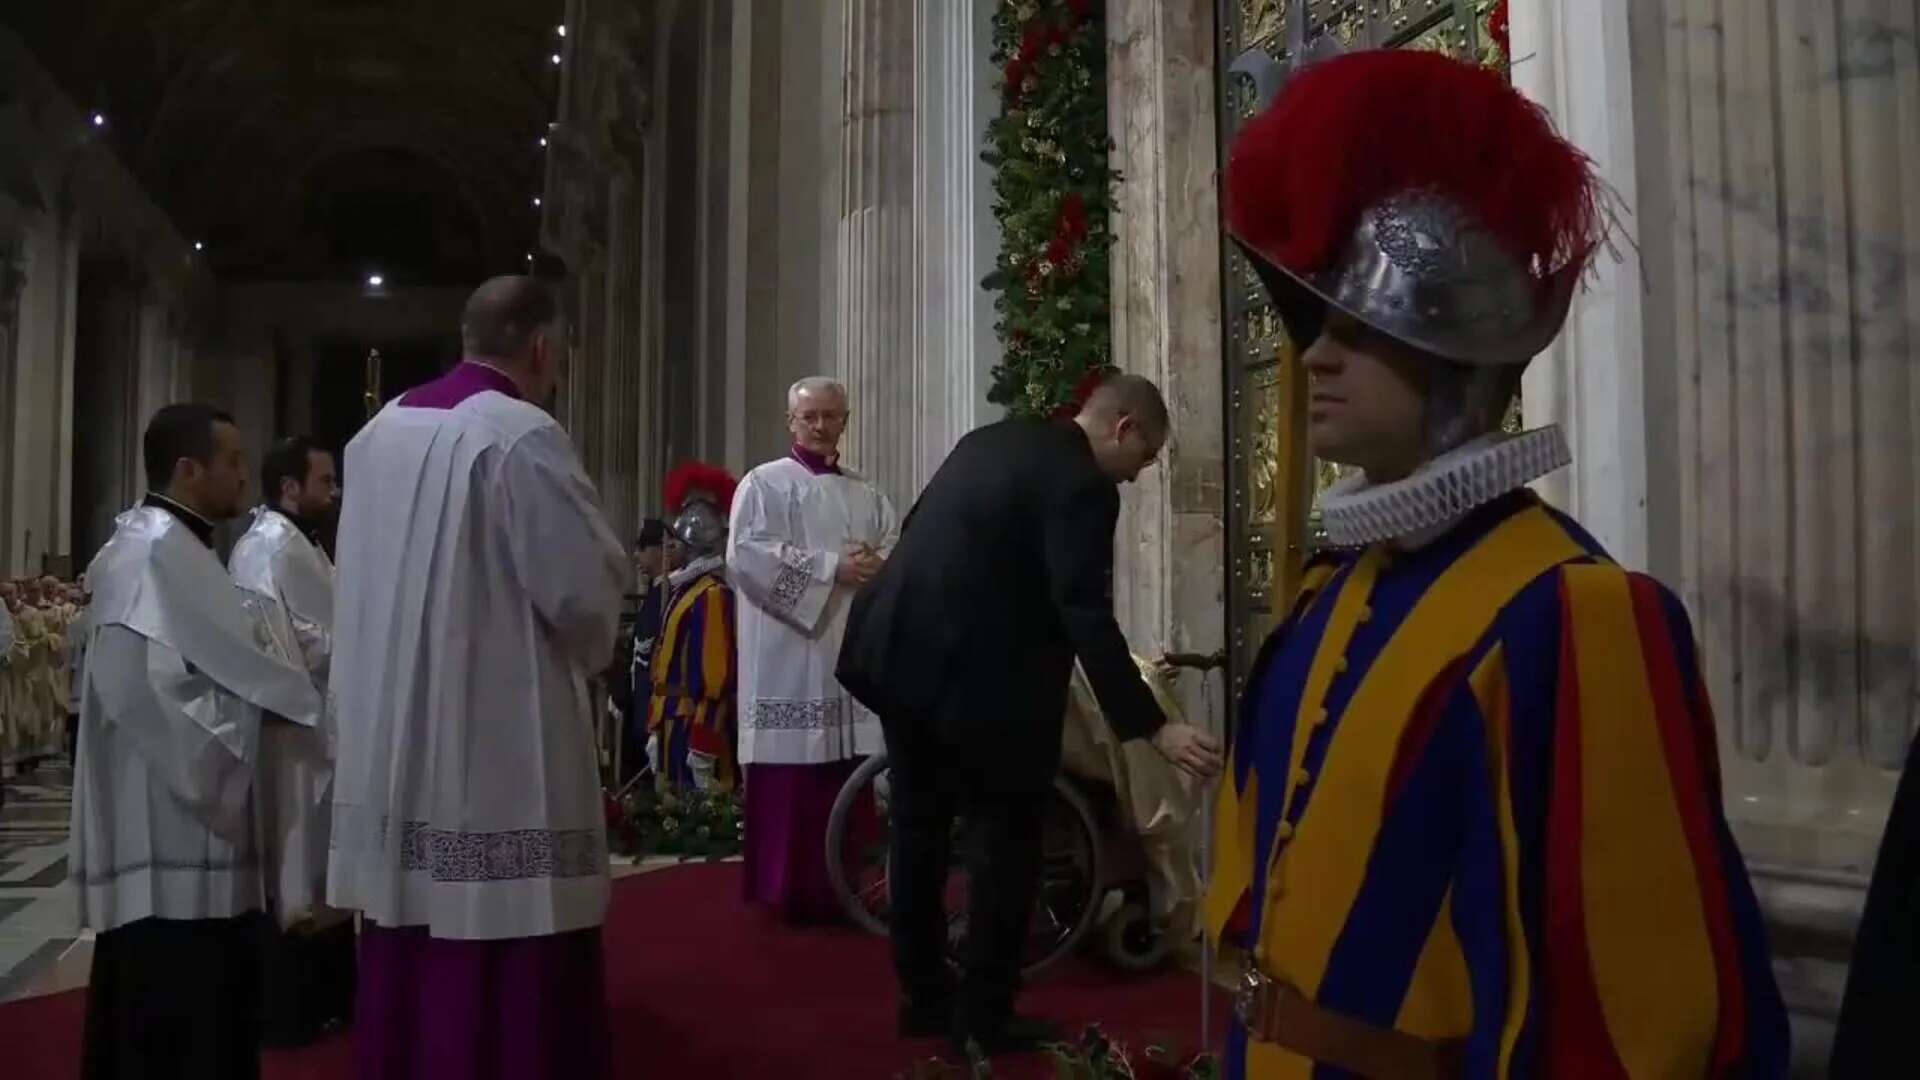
(703,986)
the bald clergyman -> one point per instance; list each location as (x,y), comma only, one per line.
(479,587)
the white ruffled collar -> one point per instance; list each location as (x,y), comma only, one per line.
(1414,511)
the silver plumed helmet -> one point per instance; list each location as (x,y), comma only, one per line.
(699,496)
(700,527)
(1418,194)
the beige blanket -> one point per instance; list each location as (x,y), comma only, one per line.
(1161,804)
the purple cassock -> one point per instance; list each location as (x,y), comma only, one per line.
(786,816)
(529,1008)
(786,838)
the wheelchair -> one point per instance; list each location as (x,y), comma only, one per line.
(1092,876)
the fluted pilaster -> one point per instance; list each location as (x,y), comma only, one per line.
(878,316)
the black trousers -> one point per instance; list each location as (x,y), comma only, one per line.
(306,982)
(932,785)
(174,1000)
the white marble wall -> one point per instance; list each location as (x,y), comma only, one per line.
(1170,564)
(1772,345)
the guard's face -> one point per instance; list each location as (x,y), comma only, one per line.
(818,421)
(1366,399)
(220,483)
(651,561)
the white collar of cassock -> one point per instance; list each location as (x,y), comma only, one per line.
(1415,511)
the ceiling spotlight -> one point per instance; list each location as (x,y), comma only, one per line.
(556,58)
(374,281)
(536,200)
(561,29)
(543,140)
(198,246)
(99,120)
(529,256)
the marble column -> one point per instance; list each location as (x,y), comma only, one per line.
(38,457)
(879,315)
(1590,382)
(1778,227)
(1169,582)
(627,399)
(956,236)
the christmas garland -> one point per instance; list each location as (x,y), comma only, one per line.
(1052,189)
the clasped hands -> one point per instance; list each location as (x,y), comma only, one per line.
(859,562)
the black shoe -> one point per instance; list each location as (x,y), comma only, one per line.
(926,1019)
(1012,1034)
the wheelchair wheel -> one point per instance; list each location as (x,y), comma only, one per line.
(1130,940)
(1068,900)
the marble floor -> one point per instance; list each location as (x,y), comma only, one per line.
(42,949)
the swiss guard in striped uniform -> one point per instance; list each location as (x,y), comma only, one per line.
(1473,822)
(695,665)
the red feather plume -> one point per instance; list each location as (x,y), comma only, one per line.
(697,476)
(1352,130)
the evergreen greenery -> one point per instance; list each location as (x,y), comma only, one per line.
(1053,196)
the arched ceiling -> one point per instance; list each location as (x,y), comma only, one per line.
(321,139)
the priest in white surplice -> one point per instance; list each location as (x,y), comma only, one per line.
(479,587)
(805,534)
(287,579)
(164,847)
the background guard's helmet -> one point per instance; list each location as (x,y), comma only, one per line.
(699,497)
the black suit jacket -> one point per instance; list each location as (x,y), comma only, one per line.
(1002,576)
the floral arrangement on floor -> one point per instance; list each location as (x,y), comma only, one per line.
(645,822)
(1095,1057)
(1052,188)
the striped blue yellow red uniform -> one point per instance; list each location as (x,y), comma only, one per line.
(1474,796)
(694,672)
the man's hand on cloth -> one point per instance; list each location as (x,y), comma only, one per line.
(1190,749)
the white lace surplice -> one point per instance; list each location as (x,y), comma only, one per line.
(783,549)
(288,584)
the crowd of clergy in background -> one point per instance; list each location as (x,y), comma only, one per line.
(40,636)
(310,794)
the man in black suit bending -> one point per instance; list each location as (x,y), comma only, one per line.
(964,644)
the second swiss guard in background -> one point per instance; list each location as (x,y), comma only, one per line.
(695,668)
(1472,825)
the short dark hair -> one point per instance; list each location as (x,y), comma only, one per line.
(290,458)
(1132,395)
(653,533)
(503,313)
(181,430)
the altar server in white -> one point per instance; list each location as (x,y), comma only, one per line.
(479,587)
(287,580)
(805,534)
(164,848)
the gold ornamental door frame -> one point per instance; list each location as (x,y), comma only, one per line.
(1274,483)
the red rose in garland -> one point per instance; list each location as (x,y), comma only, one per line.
(1497,29)
(1052,181)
